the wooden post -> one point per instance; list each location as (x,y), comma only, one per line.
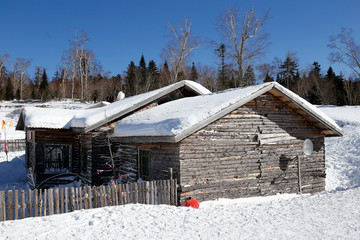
(95,197)
(36,204)
(45,202)
(10,205)
(62,203)
(2,206)
(16,204)
(151,192)
(147,193)
(127,193)
(22,206)
(29,205)
(121,202)
(72,199)
(66,200)
(108,196)
(86,197)
(112,192)
(51,201)
(57,203)
(77,198)
(170,173)
(131,192)
(299,174)
(168,191)
(89,192)
(136,193)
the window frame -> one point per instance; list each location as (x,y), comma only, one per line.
(64,165)
(144,155)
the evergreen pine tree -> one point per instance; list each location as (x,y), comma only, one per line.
(9,92)
(268,78)
(339,89)
(130,80)
(223,80)
(44,86)
(153,72)
(287,73)
(194,75)
(249,76)
(143,70)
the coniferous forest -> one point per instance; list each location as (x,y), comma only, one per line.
(82,77)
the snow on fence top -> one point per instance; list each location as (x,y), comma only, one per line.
(178,119)
(89,119)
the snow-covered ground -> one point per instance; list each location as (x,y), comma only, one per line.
(332,214)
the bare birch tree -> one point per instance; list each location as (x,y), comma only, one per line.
(3,59)
(179,48)
(243,38)
(346,51)
(23,66)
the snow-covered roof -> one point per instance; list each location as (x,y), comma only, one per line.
(173,121)
(88,119)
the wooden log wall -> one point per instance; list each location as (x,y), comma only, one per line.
(252,151)
(163,157)
(21,204)
(55,137)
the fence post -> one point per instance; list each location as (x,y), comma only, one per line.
(57,205)
(16,204)
(28,204)
(72,199)
(36,206)
(2,206)
(89,192)
(22,206)
(10,205)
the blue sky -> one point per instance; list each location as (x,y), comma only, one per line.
(120,31)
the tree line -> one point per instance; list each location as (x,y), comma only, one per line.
(81,76)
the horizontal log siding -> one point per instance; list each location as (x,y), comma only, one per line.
(163,156)
(225,159)
(55,137)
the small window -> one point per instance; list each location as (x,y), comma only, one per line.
(145,164)
(57,158)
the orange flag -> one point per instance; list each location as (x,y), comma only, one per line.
(10,124)
(3,124)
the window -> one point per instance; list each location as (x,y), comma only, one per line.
(57,158)
(145,164)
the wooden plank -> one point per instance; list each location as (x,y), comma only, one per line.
(152,192)
(66,200)
(168,192)
(57,202)
(95,197)
(109,201)
(2,206)
(10,205)
(22,205)
(51,201)
(101,195)
(72,199)
(89,192)
(62,200)
(45,201)
(36,203)
(86,198)
(119,193)
(81,206)
(16,204)
(28,204)
(155,192)
(112,192)
(115,195)
(77,205)
(127,193)
(131,192)
(147,192)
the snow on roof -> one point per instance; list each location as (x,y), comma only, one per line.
(178,119)
(95,117)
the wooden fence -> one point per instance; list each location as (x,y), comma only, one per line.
(14,145)
(21,204)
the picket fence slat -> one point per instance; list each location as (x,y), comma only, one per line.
(44,202)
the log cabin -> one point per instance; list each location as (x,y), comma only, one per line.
(64,145)
(253,141)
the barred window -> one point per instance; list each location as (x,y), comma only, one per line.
(57,157)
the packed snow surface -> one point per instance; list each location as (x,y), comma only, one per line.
(332,214)
(173,118)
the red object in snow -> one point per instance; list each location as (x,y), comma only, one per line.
(6,150)
(190,202)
